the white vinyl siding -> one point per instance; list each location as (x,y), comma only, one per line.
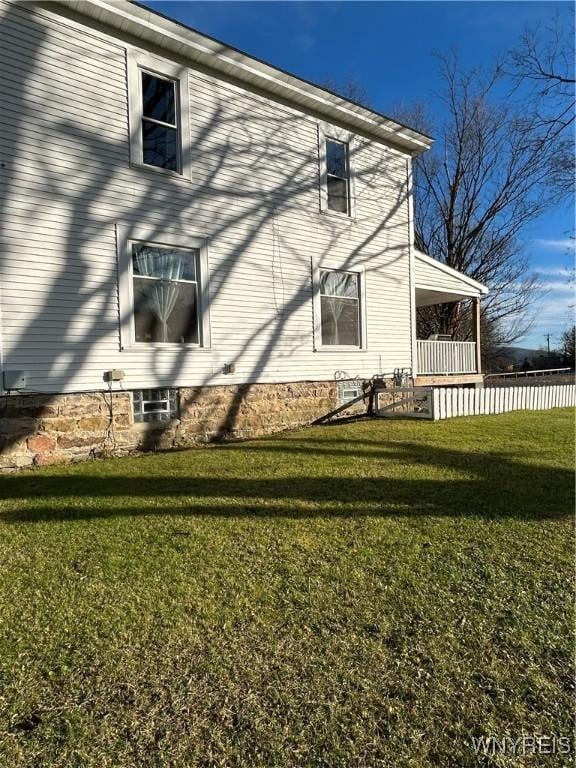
(252,197)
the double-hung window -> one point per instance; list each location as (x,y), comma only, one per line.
(337,151)
(159,125)
(338,176)
(159,114)
(340,310)
(163,289)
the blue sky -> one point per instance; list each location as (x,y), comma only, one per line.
(388,48)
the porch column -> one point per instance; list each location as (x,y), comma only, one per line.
(476,332)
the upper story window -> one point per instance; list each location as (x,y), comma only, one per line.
(160,129)
(163,289)
(159,115)
(337,176)
(336,157)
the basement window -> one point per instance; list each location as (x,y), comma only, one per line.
(155,405)
(348,390)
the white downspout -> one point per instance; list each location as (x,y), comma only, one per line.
(412,269)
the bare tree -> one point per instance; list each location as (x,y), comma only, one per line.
(483,183)
(568,345)
(542,71)
(350,89)
(544,60)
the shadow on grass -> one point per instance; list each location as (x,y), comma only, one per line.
(399,479)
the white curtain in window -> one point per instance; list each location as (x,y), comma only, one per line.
(166,266)
(339,297)
(335,307)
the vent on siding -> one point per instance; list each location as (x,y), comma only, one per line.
(155,404)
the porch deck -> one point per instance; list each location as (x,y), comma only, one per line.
(448,379)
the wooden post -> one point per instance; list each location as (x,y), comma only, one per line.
(476,332)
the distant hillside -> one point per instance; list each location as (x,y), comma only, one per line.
(518,354)
(505,357)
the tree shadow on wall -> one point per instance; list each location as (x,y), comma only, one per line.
(78,166)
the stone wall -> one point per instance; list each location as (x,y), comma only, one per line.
(52,429)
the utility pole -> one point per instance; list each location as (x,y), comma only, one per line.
(547,337)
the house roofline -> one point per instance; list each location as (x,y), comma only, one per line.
(156,28)
(479,288)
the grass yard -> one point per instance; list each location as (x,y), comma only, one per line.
(369,594)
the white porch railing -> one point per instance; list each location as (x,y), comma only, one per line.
(444,357)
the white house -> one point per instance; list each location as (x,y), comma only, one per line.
(193,242)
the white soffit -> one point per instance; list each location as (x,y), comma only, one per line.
(426,297)
(142,23)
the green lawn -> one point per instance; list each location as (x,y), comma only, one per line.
(368,594)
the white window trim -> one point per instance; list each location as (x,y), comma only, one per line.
(326,131)
(317,267)
(125,236)
(136,62)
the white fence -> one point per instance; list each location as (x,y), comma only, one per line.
(446,356)
(528,374)
(449,402)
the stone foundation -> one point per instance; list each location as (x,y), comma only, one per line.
(52,429)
